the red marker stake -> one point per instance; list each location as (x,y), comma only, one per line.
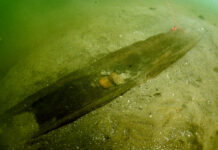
(174,28)
(174,18)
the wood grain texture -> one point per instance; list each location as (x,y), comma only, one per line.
(80,92)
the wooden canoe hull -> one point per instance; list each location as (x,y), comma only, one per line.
(81,92)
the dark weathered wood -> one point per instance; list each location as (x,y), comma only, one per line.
(80,92)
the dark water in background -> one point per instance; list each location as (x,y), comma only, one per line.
(26,25)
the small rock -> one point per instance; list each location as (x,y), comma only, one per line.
(215,69)
(105,82)
(117,79)
(201,17)
(152,8)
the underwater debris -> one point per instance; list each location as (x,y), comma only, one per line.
(74,95)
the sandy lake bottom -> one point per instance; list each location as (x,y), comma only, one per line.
(178,109)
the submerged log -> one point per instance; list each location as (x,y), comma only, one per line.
(93,86)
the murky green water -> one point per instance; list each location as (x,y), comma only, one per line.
(44,40)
